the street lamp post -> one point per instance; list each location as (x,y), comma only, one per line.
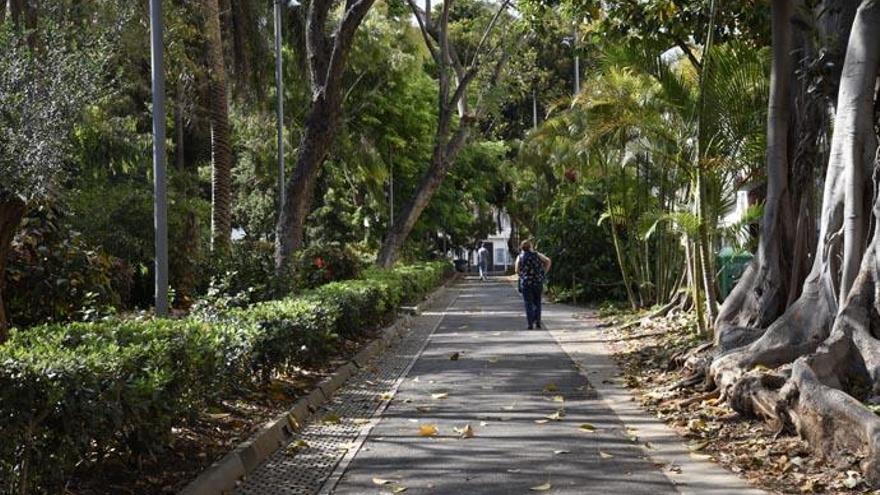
(577,63)
(160,200)
(279,88)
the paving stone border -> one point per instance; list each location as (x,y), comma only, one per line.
(223,476)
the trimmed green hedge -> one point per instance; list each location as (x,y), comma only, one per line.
(72,393)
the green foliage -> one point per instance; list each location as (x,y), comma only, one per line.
(318,264)
(52,264)
(86,390)
(40,97)
(244,276)
(584,268)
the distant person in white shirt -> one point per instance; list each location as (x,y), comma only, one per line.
(483,261)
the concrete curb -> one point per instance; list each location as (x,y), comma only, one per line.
(223,476)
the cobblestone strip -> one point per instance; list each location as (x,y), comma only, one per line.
(339,427)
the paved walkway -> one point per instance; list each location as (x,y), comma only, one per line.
(531,419)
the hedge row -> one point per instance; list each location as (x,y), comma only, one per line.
(74,393)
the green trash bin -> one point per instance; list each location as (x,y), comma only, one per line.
(732,264)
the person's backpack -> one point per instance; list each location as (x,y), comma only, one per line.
(531,269)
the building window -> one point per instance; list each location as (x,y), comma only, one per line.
(500,256)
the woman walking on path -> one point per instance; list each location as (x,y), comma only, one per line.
(532,266)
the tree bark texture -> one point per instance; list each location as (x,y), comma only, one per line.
(327,57)
(12,210)
(221,147)
(761,294)
(826,344)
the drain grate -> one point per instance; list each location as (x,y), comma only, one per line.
(302,467)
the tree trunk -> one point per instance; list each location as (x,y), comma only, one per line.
(760,296)
(190,240)
(221,148)
(326,63)
(11,212)
(811,395)
(444,154)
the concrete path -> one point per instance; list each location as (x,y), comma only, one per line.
(545,413)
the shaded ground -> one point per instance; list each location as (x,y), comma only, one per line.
(536,422)
(778,462)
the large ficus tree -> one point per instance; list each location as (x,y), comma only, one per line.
(328,45)
(42,92)
(797,341)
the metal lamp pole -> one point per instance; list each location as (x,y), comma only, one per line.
(577,63)
(160,200)
(279,87)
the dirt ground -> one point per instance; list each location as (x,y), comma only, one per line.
(779,462)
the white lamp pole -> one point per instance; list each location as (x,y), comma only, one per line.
(160,200)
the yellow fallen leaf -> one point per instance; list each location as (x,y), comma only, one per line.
(587,427)
(380,481)
(331,418)
(550,387)
(605,455)
(439,396)
(398,489)
(428,430)
(541,488)
(558,398)
(360,421)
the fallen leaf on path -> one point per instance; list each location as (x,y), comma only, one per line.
(439,396)
(423,409)
(380,481)
(560,452)
(297,446)
(360,421)
(455,356)
(493,360)
(465,432)
(587,427)
(428,430)
(331,419)
(541,488)
(542,421)
(558,398)
(557,416)
(605,455)
(514,471)
(550,387)
(398,489)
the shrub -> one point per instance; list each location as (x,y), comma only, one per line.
(324,263)
(51,264)
(246,275)
(83,390)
